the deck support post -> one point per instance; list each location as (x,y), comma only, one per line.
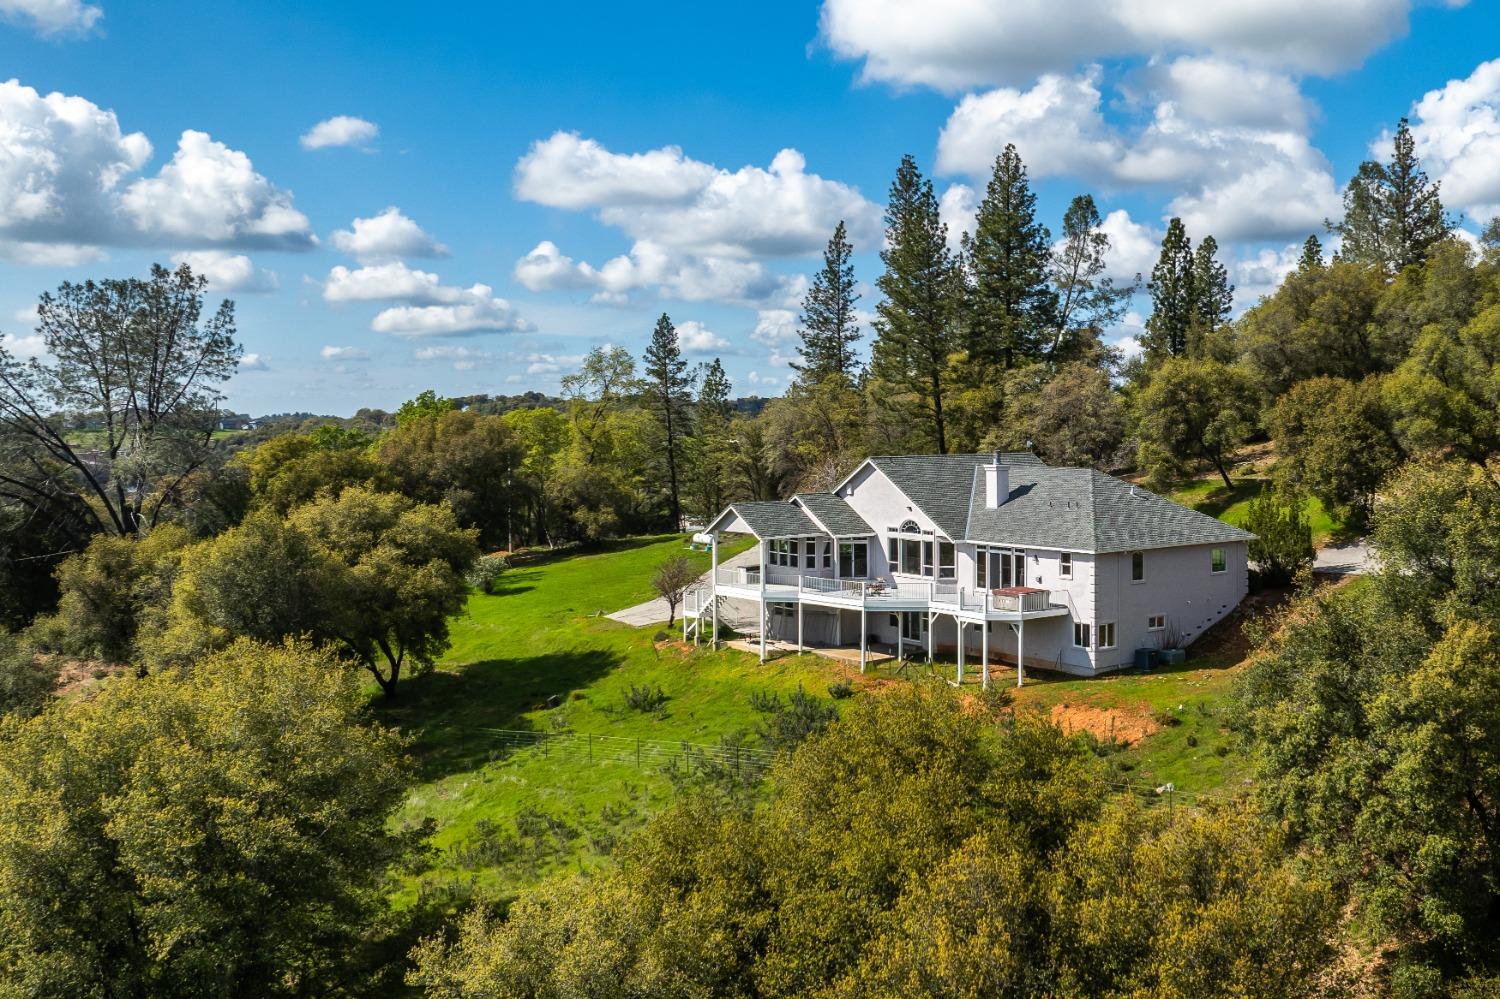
(864,635)
(799,627)
(1021,653)
(984,654)
(931,623)
(713,637)
(960,625)
(765,609)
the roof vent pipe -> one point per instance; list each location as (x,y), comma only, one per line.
(996,483)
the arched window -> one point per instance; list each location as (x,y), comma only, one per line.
(910,527)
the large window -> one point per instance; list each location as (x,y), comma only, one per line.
(1137,567)
(947,566)
(996,568)
(913,552)
(1216,560)
(1080,635)
(854,559)
(783,552)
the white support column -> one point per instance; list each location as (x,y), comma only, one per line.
(1021,653)
(960,626)
(765,610)
(931,628)
(799,627)
(713,638)
(864,634)
(984,654)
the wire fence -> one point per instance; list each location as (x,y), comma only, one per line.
(646,754)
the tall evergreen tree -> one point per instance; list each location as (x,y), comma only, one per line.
(713,396)
(1172,296)
(1010,308)
(916,318)
(829,329)
(667,391)
(1086,300)
(1213,295)
(711,451)
(1393,213)
(1312,256)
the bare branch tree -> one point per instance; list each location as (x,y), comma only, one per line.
(673,578)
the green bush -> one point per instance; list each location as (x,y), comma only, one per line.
(1283,544)
(840,689)
(645,698)
(486,571)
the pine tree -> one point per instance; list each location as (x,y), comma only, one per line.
(1010,308)
(829,329)
(1086,301)
(711,452)
(667,388)
(1172,296)
(1312,256)
(915,325)
(1393,213)
(1213,295)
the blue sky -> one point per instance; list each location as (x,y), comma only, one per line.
(532,181)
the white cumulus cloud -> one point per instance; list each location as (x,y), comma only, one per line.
(957,44)
(228,271)
(698,232)
(1457,133)
(462,358)
(479,311)
(387,236)
(209,194)
(340,130)
(253,362)
(695,338)
(332,353)
(52,17)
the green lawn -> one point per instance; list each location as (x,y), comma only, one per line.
(503,822)
(1209,496)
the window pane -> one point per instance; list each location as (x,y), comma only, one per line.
(981,562)
(1219,564)
(1137,566)
(893,553)
(1065,565)
(911,556)
(861,560)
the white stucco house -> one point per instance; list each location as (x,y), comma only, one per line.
(994,558)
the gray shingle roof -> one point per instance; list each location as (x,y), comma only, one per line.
(940,484)
(834,514)
(1071,508)
(775,519)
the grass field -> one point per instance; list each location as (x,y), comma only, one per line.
(501,821)
(1209,496)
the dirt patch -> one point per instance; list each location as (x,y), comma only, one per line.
(77,675)
(1123,725)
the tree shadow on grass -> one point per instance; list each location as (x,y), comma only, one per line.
(447,712)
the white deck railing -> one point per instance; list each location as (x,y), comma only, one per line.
(943,592)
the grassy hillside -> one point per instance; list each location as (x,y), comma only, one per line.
(504,821)
(1208,495)
(503,818)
